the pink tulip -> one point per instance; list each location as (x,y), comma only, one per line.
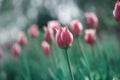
(58,37)
(116,11)
(46,47)
(22,40)
(76,27)
(16,49)
(92,19)
(90,37)
(48,34)
(33,31)
(64,37)
(53,25)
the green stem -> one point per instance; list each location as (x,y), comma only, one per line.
(53,55)
(83,52)
(107,66)
(26,67)
(93,51)
(69,65)
(85,57)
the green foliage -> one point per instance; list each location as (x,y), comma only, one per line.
(97,62)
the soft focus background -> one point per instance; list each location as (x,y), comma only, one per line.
(18,15)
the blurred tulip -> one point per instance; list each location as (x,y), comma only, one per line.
(90,36)
(92,19)
(33,31)
(76,27)
(46,47)
(22,40)
(53,25)
(64,37)
(1,53)
(16,49)
(48,34)
(116,11)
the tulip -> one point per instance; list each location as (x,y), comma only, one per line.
(46,47)
(48,34)
(22,40)
(92,19)
(64,37)
(16,49)
(53,25)
(116,11)
(76,27)
(33,31)
(90,37)
(58,37)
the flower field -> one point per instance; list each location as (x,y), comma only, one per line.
(61,48)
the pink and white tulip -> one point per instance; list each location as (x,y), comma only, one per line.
(116,11)
(76,27)
(53,25)
(22,40)
(49,36)
(64,37)
(16,49)
(46,47)
(90,36)
(33,31)
(92,19)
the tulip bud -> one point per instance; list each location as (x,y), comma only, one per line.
(64,37)
(46,48)
(116,11)
(90,37)
(48,34)
(76,27)
(22,40)
(33,31)
(53,25)
(1,53)
(92,19)
(16,49)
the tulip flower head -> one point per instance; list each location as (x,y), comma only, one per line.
(116,11)
(90,37)
(33,31)
(92,19)
(53,25)
(22,40)
(46,47)
(76,27)
(64,37)
(58,37)
(16,49)
(48,34)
